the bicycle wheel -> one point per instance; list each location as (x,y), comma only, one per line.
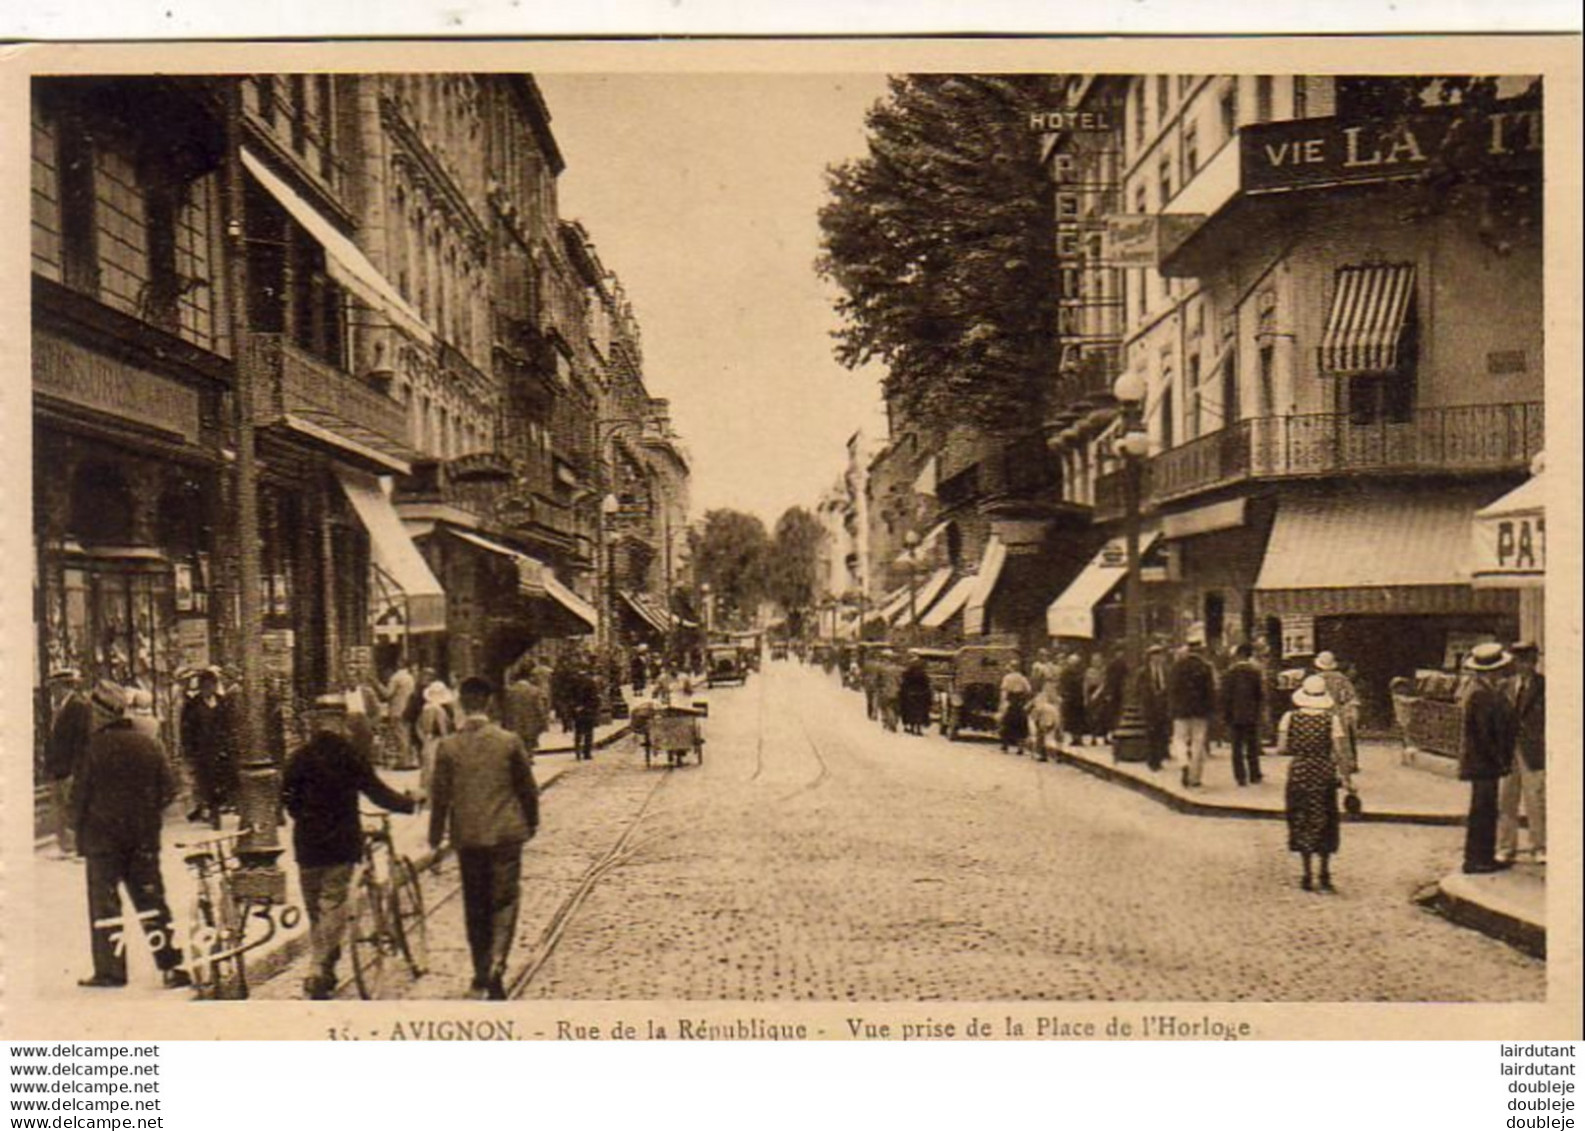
(412,931)
(217,974)
(371,940)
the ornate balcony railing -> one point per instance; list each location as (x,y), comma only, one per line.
(1455,439)
(294,380)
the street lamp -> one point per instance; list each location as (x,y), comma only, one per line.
(1131,738)
(609,506)
(709,611)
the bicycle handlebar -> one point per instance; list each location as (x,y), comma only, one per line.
(217,841)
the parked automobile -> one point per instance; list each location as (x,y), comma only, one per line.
(975,695)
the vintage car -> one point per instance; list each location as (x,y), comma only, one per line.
(975,694)
(724,663)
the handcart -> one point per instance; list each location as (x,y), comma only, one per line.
(674,732)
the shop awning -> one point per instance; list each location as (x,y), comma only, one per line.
(1073,613)
(344,260)
(893,604)
(1378,553)
(569,600)
(921,598)
(949,606)
(1370,309)
(530,571)
(985,579)
(393,552)
(1510,539)
(645,612)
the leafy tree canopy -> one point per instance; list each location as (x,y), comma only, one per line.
(794,561)
(730,555)
(941,241)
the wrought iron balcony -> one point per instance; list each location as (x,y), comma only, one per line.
(294,382)
(1449,440)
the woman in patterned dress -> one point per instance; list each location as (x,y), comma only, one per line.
(1312,734)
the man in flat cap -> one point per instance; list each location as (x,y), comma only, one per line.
(118,802)
(323,782)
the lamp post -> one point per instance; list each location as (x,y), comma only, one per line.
(1131,738)
(709,611)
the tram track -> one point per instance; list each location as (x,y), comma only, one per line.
(621,851)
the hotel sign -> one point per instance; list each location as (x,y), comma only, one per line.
(92,380)
(1321,152)
(1076,121)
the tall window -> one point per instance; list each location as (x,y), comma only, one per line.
(1263,109)
(1164,180)
(1167,411)
(1229,106)
(1232,409)
(1191,150)
(1268,381)
(1194,424)
(1139,114)
(1163,94)
(1301,99)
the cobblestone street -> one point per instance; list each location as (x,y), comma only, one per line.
(814,856)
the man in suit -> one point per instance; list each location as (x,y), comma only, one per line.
(323,782)
(583,699)
(1191,700)
(118,800)
(1153,704)
(1487,755)
(484,791)
(1243,696)
(1527,783)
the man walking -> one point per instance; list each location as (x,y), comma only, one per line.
(583,703)
(71,726)
(1487,755)
(1243,706)
(118,798)
(323,781)
(399,693)
(1527,783)
(1152,689)
(484,792)
(1191,698)
(525,711)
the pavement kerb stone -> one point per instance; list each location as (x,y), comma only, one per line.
(1459,901)
(267,965)
(1193,807)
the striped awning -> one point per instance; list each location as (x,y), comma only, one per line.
(1370,309)
(921,599)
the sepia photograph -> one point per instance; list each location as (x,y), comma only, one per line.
(779,538)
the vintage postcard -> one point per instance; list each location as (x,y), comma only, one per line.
(777,540)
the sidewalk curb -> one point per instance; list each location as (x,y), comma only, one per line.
(1518,932)
(1213,809)
(268,966)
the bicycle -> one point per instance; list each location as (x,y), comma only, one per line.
(217,921)
(387,920)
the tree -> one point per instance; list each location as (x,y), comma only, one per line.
(942,241)
(791,576)
(731,557)
(1458,177)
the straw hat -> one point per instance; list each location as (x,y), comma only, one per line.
(1325,662)
(437,694)
(1313,694)
(1486,658)
(141,702)
(1196,635)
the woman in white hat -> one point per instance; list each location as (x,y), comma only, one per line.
(434,723)
(1310,733)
